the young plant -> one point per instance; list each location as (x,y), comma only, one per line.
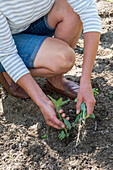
(58,103)
(44,136)
(95,91)
(111,95)
(82,115)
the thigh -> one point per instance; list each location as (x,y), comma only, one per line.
(52,54)
(61,10)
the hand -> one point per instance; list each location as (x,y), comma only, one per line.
(50,114)
(85,95)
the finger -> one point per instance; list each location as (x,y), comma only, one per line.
(61,111)
(53,125)
(58,122)
(67,118)
(90,106)
(63,115)
(78,105)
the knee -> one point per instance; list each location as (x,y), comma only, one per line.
(66,60)
(69,58)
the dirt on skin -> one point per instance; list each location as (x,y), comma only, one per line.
(22,124)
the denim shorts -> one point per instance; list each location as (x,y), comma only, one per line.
(29,41)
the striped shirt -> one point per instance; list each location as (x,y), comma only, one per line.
(17,15)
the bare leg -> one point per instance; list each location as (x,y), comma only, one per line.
(68,28)
(58,60)
(59,57)
(67,23)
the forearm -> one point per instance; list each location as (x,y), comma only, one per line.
(91,42)
(32,88)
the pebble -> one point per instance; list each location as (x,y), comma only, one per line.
(25,151)
(37,158)
(1,143)
(70,111)
(111,63)
(111,137)
(111,156)
(1,130)
(24,144)
(13,146)
(39,126)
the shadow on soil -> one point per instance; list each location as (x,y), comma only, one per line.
(94,144)
(107,40)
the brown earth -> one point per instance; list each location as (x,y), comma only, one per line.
(22,124)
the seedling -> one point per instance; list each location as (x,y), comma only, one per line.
(95,91)
(58,103)
(83,114)
(80,118)
(44,137)
(111,95)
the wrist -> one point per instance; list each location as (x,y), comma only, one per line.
(85,79)
(42,100)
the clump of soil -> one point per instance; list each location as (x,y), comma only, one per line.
(22,124)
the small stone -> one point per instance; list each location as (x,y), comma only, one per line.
(111,63)
(25,151)
(1,130)
(44,142)
(24,144)
(1,143)
(13,146)
(111,137)
(37,158)
(70,111)
(111,156)
(39,126)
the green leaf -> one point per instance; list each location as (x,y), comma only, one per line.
(45,136)
(92,116)
(60,117)
(64,102)
(61,135)
(87,116)
(59,102)
(111,96)
(67,135)
(95,91)
(83,110)
(106,118)
(67,123)
(75,100)
(53,100)
(77,119)
(83,107)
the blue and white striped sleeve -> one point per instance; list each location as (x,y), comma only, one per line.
(90,19)
(9,57)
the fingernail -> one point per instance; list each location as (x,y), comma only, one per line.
(77,112)
(63,126)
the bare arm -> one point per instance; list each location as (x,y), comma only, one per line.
(91,42)
(46,106)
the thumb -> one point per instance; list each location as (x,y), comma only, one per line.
(78,105)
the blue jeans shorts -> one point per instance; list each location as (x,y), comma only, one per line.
(29,41)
